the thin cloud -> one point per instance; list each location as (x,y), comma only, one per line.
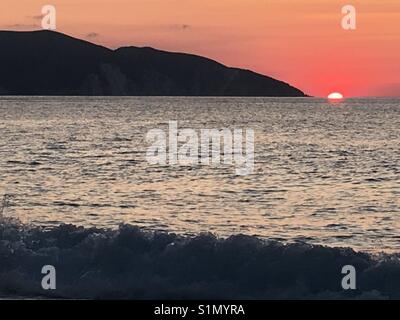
(92,35)
(38,17)
(180,26)
(22,26)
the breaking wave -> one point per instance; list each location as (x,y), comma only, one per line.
(129,263)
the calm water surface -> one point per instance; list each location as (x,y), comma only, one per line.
(325,173)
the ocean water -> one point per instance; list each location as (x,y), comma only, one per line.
(325,173)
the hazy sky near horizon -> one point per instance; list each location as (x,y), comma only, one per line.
(298,41)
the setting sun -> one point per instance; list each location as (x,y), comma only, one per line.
(335,96)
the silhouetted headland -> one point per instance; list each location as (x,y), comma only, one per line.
(51,63)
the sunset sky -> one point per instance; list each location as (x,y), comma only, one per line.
(298,41)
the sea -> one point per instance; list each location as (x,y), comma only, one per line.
(325,173)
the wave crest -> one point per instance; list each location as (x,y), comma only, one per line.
(129,263)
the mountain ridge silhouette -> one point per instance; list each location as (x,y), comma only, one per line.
(51,63)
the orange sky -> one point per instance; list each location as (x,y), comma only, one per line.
(297,41)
